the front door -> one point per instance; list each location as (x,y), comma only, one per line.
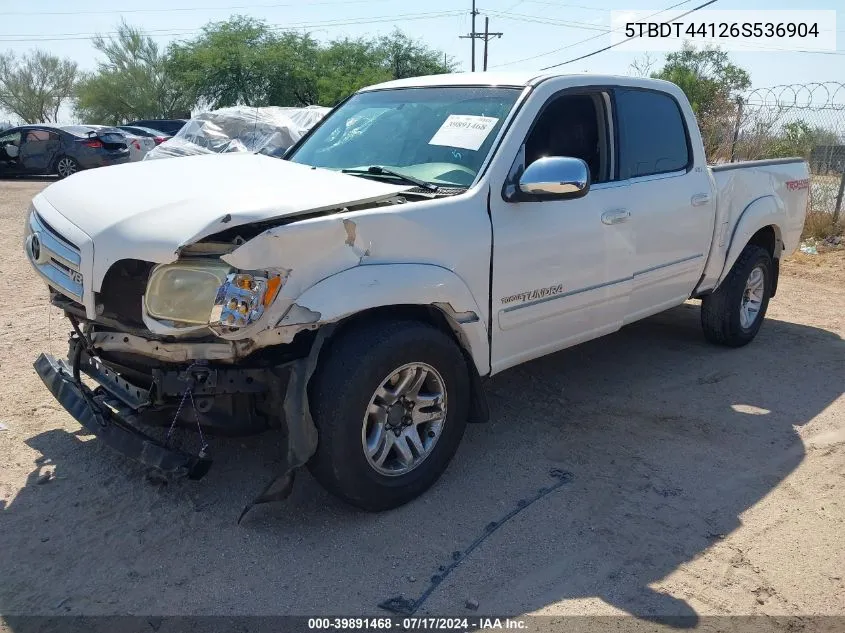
(10,144)
(561,268)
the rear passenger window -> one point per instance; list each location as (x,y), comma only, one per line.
(652,134)
(37,135)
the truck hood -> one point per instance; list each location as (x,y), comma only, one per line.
(147,210)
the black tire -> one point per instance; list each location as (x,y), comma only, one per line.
(720,311)
(74,165)
(352,367)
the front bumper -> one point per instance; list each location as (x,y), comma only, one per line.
(110,419)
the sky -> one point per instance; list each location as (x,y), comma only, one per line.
(531,28)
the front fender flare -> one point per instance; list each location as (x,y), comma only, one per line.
(361,288)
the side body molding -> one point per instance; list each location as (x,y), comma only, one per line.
(377,285)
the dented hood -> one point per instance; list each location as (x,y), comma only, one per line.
(147,210)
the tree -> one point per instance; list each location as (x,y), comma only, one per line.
(34,86)
(131,83)
(347,65)
(713,86)
(405,57)
(243,62)
(642,66)
(798,138)
(707,77)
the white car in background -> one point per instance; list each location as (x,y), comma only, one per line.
(138,145)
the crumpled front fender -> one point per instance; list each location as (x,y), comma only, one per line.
(378,285)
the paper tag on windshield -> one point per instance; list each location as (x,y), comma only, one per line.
(466,131)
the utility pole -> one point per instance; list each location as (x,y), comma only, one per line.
(472,36)
(487,36)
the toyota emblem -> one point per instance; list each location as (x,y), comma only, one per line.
(35,247)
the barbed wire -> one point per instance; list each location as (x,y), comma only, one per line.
(828,95)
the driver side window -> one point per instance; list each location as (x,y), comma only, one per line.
(573,125)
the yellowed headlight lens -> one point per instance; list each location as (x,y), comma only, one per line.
(185,291)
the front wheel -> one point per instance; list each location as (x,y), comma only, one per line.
(733,314)
(390,401)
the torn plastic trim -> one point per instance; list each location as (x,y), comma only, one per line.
(302,437)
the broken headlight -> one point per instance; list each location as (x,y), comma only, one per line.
(208,293)
(241,300)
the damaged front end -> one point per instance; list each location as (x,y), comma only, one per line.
(186,314)
(123,400)
(197,343)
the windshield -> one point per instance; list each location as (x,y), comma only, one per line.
(438,135)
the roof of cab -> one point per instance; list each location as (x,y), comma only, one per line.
(509,79)
(513,79)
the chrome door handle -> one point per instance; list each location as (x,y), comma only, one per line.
(616,216)
(700,199)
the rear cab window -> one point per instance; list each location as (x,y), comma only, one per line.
(653,136)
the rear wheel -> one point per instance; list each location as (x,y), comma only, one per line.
(390,402)
(66,166)
(733,314)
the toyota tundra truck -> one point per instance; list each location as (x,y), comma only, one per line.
(426,234)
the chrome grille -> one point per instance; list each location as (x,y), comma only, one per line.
(54,257)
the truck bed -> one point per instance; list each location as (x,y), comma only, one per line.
(776,188)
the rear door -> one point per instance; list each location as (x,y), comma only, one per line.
(670,200)
(38,150)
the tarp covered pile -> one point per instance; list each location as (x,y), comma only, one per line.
(269,130)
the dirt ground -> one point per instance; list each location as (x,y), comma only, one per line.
(703,481)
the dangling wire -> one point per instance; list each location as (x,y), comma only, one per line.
(181,402)
(204,444)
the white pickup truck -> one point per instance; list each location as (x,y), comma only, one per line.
(426,234)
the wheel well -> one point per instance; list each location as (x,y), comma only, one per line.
(767,238)
(479,410)
(424,313)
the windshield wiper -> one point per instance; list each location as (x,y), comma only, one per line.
(378,170)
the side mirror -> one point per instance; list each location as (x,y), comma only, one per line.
(555,178)
(11,150)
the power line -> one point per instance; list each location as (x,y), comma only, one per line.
(172,9)
(693,10)
(520,17)
(565,6)
(292,26)
(601,50)
(588,39)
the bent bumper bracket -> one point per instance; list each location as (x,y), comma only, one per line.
(111,426)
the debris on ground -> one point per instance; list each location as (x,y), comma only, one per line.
(471,604)
(44,479)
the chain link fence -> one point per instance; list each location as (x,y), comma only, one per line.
(805,120)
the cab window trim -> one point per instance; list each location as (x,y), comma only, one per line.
(606,96)
(669,173)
